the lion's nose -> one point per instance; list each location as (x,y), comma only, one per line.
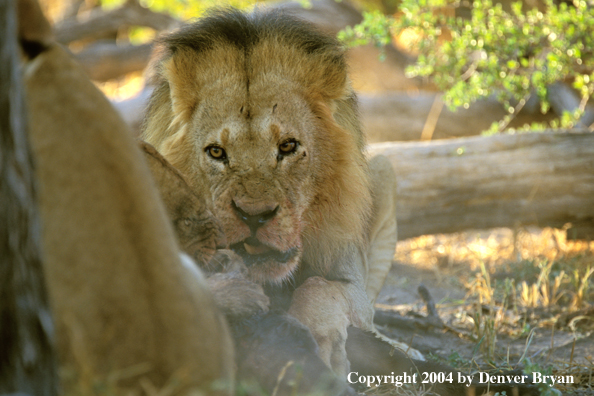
(255,215)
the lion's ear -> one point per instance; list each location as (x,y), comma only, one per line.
(181,74)
(328,77)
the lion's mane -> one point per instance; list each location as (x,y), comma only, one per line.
(234,51)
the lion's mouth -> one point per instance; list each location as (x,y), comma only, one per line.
(255,252)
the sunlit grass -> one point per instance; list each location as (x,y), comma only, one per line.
(501,248)
(522,269)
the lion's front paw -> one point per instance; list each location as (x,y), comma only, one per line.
(332,344)
(320,305)
(236,296)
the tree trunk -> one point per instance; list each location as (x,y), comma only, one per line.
(543,179)
(27,362)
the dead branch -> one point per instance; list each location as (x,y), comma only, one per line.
(432,314)
(98,23)
(563,98)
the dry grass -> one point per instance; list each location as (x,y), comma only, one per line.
(515,282)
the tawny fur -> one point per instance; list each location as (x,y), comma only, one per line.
(124,304)
(198,233)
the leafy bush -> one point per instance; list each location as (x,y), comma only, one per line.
(510,54)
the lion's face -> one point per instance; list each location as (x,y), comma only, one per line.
(259,162)
(257,112)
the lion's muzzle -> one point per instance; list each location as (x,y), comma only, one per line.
(254,215)
(262,232)
(265,263)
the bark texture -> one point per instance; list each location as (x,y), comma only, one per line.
(543,179)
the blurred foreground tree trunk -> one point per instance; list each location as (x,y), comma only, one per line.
(544,179)
(27,361)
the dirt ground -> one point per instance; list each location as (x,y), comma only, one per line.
(503,296)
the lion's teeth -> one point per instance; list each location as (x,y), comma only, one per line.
(255,249)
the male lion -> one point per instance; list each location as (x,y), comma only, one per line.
(257,111)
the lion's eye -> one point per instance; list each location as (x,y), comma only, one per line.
(184,224)
(287,147)
(216,152)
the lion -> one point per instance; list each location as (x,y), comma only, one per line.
(128,310)
(257,112)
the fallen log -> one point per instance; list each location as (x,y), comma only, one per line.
(403,117)
(543,179)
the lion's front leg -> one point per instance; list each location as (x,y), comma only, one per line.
(328,308)
(382,230)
